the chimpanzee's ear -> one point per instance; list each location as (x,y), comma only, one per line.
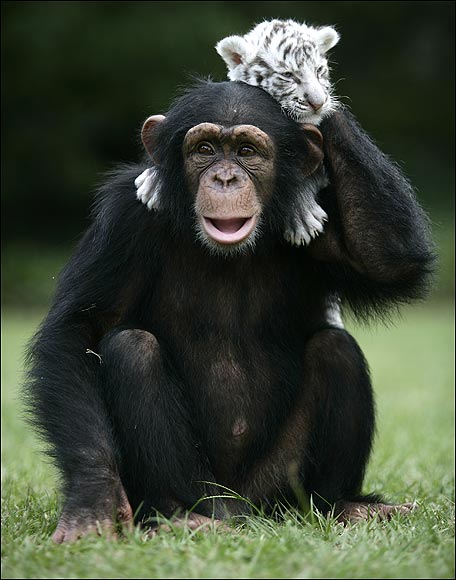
(148,133)
(315,147)
(233,50)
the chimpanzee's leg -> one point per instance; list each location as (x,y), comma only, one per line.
(324,445)
(342,423)
(342,427)
(159,458)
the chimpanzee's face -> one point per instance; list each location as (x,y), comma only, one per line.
(230,173)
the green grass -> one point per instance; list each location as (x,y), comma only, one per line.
(412,369)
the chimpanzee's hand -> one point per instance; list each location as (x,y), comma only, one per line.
(93,509)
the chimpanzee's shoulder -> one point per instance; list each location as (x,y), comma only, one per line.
(116,195)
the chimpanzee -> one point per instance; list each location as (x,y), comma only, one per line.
(193,348)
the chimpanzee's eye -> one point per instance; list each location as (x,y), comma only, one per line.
(246,151)
(205,149)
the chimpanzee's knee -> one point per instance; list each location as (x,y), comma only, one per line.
(335,353)
(130,348)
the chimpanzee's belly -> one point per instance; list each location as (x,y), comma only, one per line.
(236,391)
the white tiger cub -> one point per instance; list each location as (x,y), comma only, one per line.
(286,59)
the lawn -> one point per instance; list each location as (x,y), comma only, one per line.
(413,459)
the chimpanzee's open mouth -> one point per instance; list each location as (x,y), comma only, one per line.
(229,230)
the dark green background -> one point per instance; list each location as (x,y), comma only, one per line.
(79,78)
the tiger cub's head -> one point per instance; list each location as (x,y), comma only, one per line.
(288,60)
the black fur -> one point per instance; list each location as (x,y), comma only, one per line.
(377,242)
(188,342)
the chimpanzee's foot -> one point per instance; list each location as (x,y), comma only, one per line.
(71,528)
(102,520)
(352,512)
(192,521)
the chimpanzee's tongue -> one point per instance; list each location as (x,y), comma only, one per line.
(229,226)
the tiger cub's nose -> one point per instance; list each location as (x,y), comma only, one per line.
(316,104)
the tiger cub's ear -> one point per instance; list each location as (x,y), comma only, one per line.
(326,38)
(233,50)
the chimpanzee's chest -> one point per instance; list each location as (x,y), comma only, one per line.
(215,330)
(196,295)
(215,314)
(247,302)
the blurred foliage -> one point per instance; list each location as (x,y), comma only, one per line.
(79,78)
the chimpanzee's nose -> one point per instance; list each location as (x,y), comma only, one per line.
(225,177)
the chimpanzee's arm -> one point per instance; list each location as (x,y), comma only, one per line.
(64,364)
(376,245)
